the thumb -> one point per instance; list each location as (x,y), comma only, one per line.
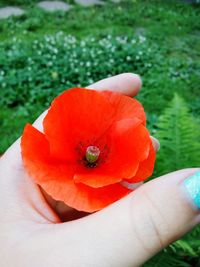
(133,229)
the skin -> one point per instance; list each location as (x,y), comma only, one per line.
(35,230)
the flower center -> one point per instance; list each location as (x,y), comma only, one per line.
(92,154)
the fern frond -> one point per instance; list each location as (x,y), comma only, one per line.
(195,233)
(165,259)
(184,248)
(179,135)
(193,239)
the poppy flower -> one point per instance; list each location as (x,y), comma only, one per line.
(92,144)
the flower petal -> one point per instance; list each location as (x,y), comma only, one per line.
(126,107)
(56,179)
(77,115)
(34,143)
(146,167)
(82,197)
(36,157)
(96,179)
(129,144)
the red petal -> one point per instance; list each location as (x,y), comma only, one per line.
(33,143)
(82,197)
(36,158)
(77,115)
(126,107)
(56,179)
(146,167)
(129,144)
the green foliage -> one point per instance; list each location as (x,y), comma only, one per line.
(166,259)
(183,253)
(17,2)
(38,71)
(179,134)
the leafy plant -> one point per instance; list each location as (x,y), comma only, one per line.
(179,134)
(166,259)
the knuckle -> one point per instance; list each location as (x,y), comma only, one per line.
(150,225)
(157,220)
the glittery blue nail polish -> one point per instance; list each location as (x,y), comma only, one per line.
(192,185)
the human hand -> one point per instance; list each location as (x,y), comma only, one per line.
(127,233)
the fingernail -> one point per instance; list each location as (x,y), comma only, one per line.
(192,185)
(156,143)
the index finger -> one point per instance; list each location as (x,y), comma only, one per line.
(126,83)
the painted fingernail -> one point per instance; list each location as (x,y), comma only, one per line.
(192,185)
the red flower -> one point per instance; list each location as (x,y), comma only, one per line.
(92,142)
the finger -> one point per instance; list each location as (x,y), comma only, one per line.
(132,230)
(125,83)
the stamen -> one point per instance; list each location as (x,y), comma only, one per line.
(92,154)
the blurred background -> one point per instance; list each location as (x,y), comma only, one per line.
(49,46)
